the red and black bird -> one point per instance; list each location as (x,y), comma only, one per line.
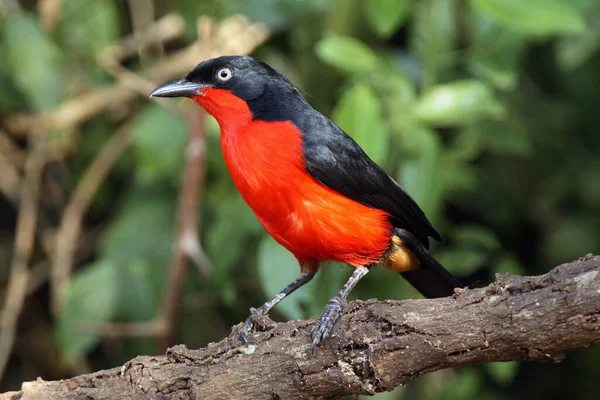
(310,185)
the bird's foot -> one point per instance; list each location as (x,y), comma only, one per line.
(322,328)
(249,324)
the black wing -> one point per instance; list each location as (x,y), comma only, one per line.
(335,160)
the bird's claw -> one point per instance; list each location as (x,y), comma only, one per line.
(249,324)
(322,328)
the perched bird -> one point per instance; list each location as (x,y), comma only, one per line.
(310,185)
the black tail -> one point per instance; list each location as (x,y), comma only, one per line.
(431,279)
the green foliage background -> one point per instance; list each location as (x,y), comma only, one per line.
(486,111)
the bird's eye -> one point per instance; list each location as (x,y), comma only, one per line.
(224,74)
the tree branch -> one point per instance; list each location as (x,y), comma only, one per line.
(375,347)
(23,248)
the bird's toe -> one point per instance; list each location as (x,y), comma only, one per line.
(249,324)
(322,328)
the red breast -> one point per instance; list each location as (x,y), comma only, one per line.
(266,163)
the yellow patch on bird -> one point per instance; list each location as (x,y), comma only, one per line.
(399,258)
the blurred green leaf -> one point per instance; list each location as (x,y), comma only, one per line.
(91,301)
(226,241)
(502,372)
(191,9)
(489,136)
(457,177)
(466,145)
(573,52)
(462,260)
(344,20)
(142,229)
(35,61)
(385,16)
(501,139)
(497,54)
(458,103)
(575,229)
(536,17)
(466,385)
(477,235)
(279,14)
(474,244)
(87,26)
(138,300)
(159,145)
(277,268)
(432,39)
(502,74)
(346,53)
(139,241)
(105,291)
(359,114)
(394,87)
(418,172)
(269,12)
(11,99)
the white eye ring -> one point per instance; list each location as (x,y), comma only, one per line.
(224,74)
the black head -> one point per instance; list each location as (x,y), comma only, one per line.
(265,90)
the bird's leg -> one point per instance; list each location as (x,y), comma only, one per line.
(263,310)
(333,310)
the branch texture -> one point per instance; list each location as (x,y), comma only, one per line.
(375,347)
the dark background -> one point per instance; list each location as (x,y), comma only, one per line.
(486,111)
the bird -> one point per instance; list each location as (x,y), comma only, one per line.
(311,186)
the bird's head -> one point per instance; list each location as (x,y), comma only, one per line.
(234,88)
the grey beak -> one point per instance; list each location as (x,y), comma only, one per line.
(178,88)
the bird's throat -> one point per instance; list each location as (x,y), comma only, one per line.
(231,112)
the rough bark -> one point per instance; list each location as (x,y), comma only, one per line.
(376,346)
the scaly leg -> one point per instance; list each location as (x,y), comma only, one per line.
(263,310)
(322,328)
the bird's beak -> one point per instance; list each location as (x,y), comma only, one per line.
(179,88)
